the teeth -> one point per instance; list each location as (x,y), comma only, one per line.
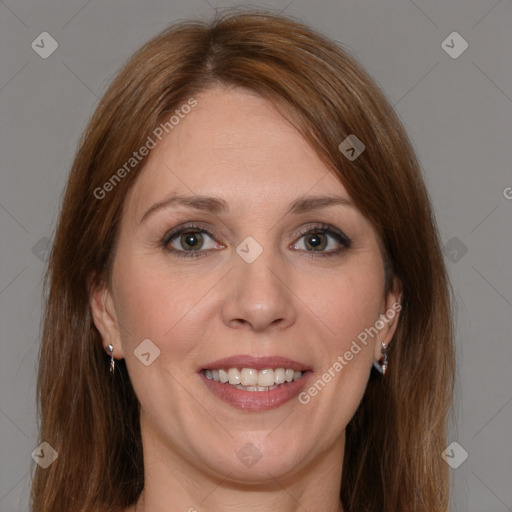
(223,376)
(280,375)
(234,376)
(266,377)
(251,379)
(256,388)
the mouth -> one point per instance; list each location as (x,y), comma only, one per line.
(255,384)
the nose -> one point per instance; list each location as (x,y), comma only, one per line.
(259,295)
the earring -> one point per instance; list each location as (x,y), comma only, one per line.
(110,348)
(385,361)
(381,367)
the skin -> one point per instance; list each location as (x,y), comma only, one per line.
(290,301)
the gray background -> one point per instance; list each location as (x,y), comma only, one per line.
(458,113)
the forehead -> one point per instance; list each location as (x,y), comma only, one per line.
(233,144)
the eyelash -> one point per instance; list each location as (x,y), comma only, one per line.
(321,228)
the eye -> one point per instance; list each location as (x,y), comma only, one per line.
(316,240)
(192,241)
(189,241)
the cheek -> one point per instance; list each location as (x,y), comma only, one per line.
(161,304)
(347,302)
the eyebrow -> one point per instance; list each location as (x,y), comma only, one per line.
(217,205)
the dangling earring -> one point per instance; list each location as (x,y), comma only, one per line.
(385,361)
(110,348)
(381,367)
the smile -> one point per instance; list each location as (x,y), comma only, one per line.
(250,377)
(255,390)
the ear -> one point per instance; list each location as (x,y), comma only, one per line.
(105,316)
(392,305)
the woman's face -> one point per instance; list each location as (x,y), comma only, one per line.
(244,282)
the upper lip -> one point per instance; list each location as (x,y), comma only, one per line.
(258,363)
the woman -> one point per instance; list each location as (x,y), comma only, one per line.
(245,239)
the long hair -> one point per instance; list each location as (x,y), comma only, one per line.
(392,460)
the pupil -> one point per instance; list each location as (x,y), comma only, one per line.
(191,240)
(315,240)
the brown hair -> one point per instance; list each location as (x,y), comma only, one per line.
(392,459)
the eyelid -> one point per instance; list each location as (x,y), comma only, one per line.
(311,227)
(194,228)
(326,228)
(189,226)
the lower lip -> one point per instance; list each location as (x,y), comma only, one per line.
(256,400)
